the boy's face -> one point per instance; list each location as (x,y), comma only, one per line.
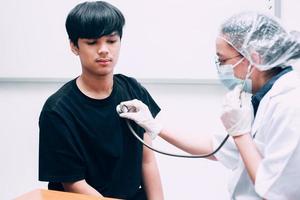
(98,56)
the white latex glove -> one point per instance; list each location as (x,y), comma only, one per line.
(140,113)
(237,115)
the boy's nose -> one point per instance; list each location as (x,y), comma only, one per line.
(103,49)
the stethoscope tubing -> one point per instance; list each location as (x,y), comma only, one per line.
(172,154)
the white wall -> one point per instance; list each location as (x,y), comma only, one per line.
(193,108)
(170,31)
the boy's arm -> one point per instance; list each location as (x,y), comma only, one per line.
(151,177)
(81,187)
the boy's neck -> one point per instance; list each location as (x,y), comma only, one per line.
(96,87)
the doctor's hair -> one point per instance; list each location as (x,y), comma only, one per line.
(264,34)
(295,39)
(92,20)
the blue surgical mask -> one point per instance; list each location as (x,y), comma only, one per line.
(247,85)
(227,78)
(226,75)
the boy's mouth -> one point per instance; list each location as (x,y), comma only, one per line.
(104,61)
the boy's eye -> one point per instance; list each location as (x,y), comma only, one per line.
(91,42)
(111,41)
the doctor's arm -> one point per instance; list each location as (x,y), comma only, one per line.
(249,153)
(203,145)
(140,113)
(151,176)
(237,117)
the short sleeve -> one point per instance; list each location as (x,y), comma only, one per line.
(59,157)
(278,174)
(149,101)
(228,155)
(136,91)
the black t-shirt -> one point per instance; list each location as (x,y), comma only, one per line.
(84,138)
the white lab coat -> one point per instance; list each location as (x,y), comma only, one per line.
(277,128)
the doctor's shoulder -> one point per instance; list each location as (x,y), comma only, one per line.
(286,90)
(287,105)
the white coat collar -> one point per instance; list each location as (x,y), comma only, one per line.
(285,83)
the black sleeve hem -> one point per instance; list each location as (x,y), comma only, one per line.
(73,178)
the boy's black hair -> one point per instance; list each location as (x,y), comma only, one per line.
(93,20)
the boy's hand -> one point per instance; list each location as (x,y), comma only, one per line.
(140,113)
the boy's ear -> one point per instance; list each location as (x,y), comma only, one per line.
(74,48)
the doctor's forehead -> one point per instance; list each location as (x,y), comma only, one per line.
(223,48)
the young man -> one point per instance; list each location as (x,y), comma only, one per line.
(85,147)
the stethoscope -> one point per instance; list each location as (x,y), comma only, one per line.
(124,108)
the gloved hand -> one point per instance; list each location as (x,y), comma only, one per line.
(140,113)
(237,115)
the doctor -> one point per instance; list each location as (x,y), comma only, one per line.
(253,56)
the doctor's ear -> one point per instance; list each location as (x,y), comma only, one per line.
(256,58)
(74,48)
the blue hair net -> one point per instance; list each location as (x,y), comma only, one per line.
(253,33)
